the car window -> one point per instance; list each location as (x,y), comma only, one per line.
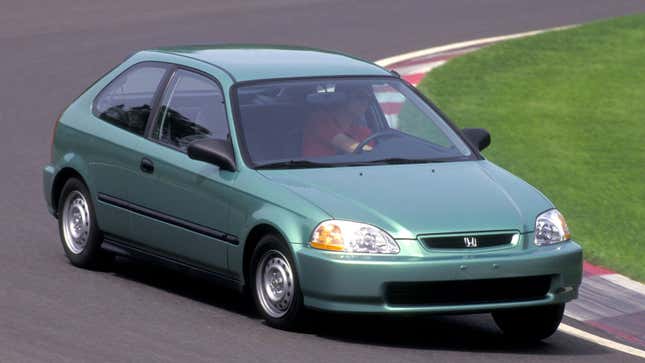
(403,115)
(126,102)
(192,108)
(340,122)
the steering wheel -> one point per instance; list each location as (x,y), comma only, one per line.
(374,136)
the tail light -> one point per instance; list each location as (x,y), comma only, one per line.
(51,150)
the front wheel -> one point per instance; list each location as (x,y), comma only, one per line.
(530,324)
(274,284)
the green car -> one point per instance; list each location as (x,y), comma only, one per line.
(312,180)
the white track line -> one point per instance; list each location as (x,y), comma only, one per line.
(625,282)
(423,52)
(567,329)
(420,68)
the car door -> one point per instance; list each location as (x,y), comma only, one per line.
(122,110)
(183,203)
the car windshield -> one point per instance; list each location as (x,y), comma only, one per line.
(340,122)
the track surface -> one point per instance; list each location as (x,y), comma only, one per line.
(50,311)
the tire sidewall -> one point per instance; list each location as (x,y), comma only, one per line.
(90,256)
(296,311)
(530,324)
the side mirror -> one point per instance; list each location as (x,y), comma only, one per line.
(216,152)
(480,138)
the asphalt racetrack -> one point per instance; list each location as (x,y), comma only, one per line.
(51,311)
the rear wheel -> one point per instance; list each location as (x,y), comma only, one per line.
(274,284)
(530,324)
(77,226)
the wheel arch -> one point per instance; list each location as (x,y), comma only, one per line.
(60,179)
(253,237)
(294,229)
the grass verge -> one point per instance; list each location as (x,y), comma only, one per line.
(566,111)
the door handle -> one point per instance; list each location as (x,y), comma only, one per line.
(147,166)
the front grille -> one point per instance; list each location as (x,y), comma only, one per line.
(463,292)
(458,242)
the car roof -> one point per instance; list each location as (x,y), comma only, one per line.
(248,62)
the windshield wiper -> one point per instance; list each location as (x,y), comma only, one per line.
(405,161)
(294,164)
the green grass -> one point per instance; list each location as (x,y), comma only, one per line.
(566,111)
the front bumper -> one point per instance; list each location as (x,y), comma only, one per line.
(357,283)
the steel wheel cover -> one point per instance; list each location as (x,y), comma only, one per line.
(76,222)
(274,283)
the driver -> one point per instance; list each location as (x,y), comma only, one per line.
(338,129)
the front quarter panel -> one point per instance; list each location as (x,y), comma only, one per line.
(259,201)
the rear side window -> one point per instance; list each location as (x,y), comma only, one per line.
(192,108)
(127,101)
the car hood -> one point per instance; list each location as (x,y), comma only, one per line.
(412,199)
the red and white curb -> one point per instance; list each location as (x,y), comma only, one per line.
(607,300)
(413,66)
(611,302)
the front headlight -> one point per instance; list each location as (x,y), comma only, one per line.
(550,227)
(352,237)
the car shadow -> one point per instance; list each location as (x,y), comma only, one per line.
(474,333)
(184,282)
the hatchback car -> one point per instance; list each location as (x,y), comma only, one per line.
(310,179)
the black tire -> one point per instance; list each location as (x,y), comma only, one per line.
(269,247)
(90,256)
(530,324)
